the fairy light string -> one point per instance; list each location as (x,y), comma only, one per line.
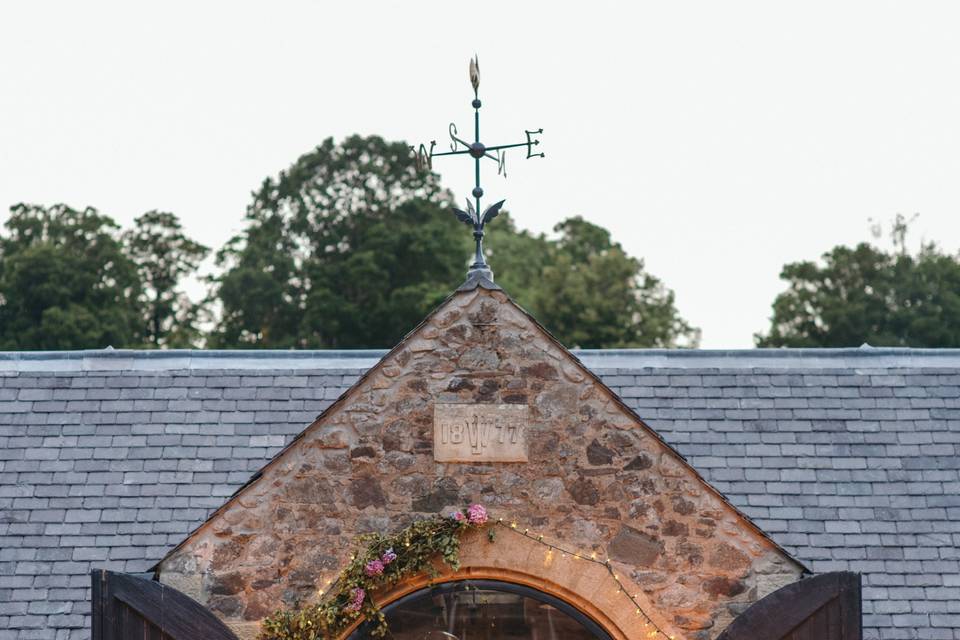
(650,628)
(654,629)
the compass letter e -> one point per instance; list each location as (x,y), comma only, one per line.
(531,143)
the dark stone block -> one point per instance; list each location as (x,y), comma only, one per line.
(309,489)
(672,528)
(459,384)
(635,547)
(445,493)
(363,452)
(541,370)
(226,584)
(720,586)
(365,492)
(639,463)
(487,390)
(597,454)
(681,506)
(227,606)
(259,585)
(229,551)
(584,492)
(727,557)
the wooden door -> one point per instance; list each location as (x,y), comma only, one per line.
(126,607)
(824,607)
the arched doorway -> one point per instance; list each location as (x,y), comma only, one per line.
(484,610)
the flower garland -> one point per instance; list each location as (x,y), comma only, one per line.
(379,565)
(382,562)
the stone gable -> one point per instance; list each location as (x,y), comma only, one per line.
(596,479)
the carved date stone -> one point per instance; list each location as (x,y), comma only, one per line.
(480,432)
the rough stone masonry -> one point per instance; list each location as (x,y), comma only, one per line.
(596,479)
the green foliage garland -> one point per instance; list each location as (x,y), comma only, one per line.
(381,562)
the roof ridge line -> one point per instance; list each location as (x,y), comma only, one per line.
(120,360)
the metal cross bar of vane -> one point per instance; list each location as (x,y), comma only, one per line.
(477,150)
(468,148)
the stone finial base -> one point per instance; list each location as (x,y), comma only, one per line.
(485,272)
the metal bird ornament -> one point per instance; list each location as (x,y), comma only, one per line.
(467,217)
(492,212)
(424,155)
(470,217)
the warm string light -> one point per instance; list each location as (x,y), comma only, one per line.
(323,589)
(647,622)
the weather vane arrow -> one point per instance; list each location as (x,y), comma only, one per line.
(478,151)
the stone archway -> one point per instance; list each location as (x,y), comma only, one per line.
(517,559)
(483,610)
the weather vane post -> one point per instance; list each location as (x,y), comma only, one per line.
(478,151)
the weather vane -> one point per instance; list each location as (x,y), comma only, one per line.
(478,151)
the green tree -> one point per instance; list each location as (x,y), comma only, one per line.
(591,294)
(349,247)
(518,259)
(352,246)
(65,281)
(164,256)
(864,294)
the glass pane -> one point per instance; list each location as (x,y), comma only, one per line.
(464,611)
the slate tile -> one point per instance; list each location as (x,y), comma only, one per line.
(846,421)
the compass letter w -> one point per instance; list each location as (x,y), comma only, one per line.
(424,156)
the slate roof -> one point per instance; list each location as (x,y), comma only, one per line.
(848,458)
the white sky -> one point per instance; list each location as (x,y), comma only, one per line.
(716,140)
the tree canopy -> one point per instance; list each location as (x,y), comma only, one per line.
(352,245)
(347,248)
(589,293)
(69,279)
(164,256)
(65,281)
(866,294)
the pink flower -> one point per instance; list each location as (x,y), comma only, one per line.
(374,568)
(458,516)
(388,556)
(476,514)
(357,596)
